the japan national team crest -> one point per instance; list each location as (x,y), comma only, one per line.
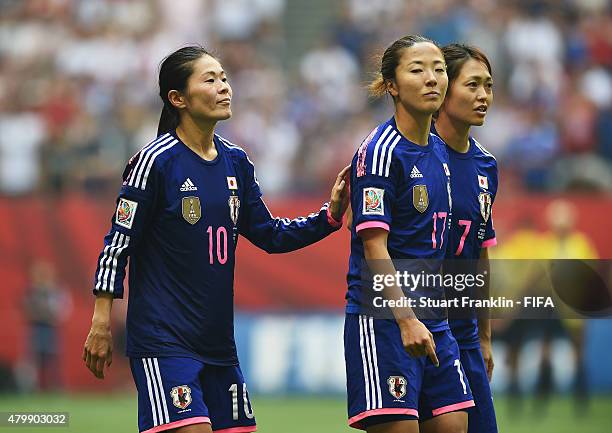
(373,201)
(181,396)
(231,183)
(192,209)
(484,198)
(420,198)
(397,386)
(126,210)
(234,206)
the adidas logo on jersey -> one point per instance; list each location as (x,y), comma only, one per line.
(188,186)
(415,173)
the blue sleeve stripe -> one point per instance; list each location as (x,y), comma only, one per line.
(230,145)
(483,150)
(150,165)
(380,139)
(379,169)
(397,139)
(141,157)
(140,173)
(109,260)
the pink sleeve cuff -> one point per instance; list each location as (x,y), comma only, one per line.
(489,243)
(372,224)
(332,221)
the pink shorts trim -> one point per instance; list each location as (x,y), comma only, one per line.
(181,423)
(245,429)
(489,243)
(332,222)
(371,225)
(453,407)
(354,421)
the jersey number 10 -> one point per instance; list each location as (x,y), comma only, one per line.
(221,239)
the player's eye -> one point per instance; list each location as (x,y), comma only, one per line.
(440,70)
(224,79)
(416,71)
(473,84)
(210,80)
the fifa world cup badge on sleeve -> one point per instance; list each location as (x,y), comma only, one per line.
(373,203)
(126,210)
(192,210)
(420,198)
(181,396)
(484,198)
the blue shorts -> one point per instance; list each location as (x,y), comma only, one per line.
(384,381)
(481,418)
(175,392)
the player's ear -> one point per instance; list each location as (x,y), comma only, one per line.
(176,99)
(392,88)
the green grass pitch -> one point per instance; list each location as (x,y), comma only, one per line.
(111,413)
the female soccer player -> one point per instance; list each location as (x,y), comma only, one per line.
(400,197)
(185,198)
(474,187)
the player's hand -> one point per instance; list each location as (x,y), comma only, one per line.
(417,340)
(339,199)
(98,350)
(487,355)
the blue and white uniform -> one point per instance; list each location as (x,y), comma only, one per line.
(178,219)
(403,188)
(474,180)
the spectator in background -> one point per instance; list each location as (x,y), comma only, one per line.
(564,241)
(63,62)
(45,305)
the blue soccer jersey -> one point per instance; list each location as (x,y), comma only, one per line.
(403,188)
(474,180)
(178,218)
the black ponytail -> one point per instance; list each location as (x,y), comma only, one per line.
(174,72)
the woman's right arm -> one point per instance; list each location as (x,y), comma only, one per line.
(416,338)
(98,350)
(136,200)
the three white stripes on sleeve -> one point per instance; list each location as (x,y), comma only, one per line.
(381,162)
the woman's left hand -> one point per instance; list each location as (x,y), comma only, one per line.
(339,199)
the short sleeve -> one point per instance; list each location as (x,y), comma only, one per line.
(374,177)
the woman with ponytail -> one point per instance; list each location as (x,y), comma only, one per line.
(398,356)
(186,198)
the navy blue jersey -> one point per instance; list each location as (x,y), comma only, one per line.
(178,218)
(403,188)
(474,180)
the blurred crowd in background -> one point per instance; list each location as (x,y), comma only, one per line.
(78,89)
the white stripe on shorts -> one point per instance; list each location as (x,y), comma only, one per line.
(367,343)
(164,403)
(375,359)
(366,372)
(149,387)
